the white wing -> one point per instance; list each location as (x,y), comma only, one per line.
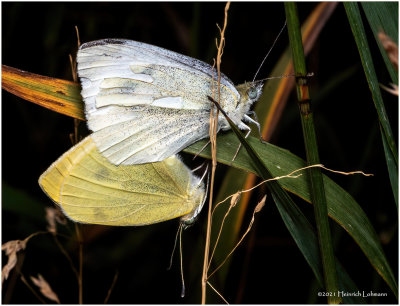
(142,134)
(145,103)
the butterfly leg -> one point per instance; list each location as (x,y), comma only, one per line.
(201,150)
(199,167)
(254,121)
(242,126)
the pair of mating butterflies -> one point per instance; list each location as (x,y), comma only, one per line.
(144,104)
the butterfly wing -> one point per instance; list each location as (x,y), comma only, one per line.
(92,190)
(147,134)
(160,87)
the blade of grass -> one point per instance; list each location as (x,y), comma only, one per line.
(30,206)
(295,221)
(292,216)
(354,17)
(269,110)
(58,95)
(270,106)
(316,184)
(384,16)
(393,169)
(342,207)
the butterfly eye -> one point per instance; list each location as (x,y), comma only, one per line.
(252,93)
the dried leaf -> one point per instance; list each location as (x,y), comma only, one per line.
(11,248)
(45,288)
(260,204)
(235,199)
(58,95)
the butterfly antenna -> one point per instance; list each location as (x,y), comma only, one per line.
(180,249)
(276,39)
(173,250)
(292,75)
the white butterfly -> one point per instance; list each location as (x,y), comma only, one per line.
(145,103)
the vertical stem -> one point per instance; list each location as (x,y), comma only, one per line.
(80,242)
(316,185)
(208,235)
(213,140)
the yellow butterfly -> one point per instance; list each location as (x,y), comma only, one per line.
(90,189)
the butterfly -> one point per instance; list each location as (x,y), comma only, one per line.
(145,103)
(90,189)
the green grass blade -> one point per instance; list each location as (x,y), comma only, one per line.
(346,284)
(22,204)
(342,207)
(269,109)
(384,16)
(295,221)
(393,170)
(316,183)
(354,16)
(297,224)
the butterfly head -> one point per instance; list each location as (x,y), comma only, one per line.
(249,92)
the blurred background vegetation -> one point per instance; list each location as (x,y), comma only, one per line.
(38,37)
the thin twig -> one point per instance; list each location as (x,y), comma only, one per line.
(213,133)
(233,203)
(290,175)
(245,266)
(31,289)
(216,291)
(65,253)
(77,36)
(112,287)
(256,210)
(80,243)
(19,272)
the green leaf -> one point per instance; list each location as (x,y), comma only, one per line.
(384,16)
(22,204)
(353,14)
(393,170)
(269,110)
(316,184)
(295,221)
(297,224)
(342,208)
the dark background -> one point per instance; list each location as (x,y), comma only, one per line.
(38,37)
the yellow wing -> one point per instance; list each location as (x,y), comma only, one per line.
(92,190)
